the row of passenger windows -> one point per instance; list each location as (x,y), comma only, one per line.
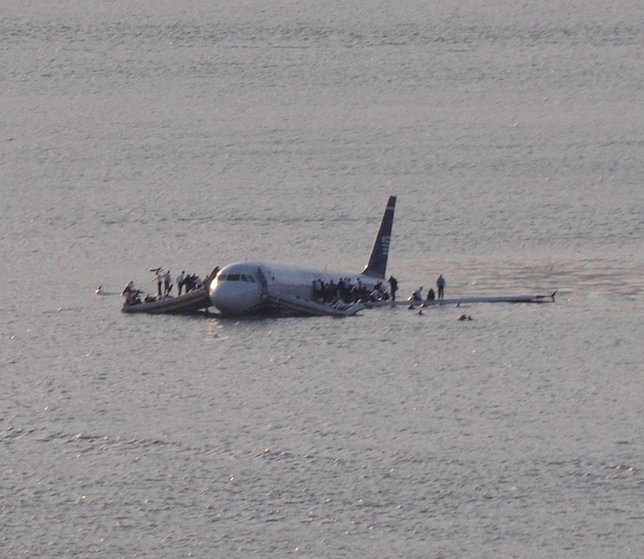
(236,277)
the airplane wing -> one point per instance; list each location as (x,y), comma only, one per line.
(298,305)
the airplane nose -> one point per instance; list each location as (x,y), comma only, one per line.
(233,297)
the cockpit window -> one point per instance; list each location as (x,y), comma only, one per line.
(236,277)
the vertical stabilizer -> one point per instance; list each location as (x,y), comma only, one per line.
(377,265)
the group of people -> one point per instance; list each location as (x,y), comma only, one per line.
(417,295)
(347,290)
(133,295)
(185,284)
(188,282)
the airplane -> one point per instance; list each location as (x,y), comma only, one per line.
(245,288)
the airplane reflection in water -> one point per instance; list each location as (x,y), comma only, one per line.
(260,287)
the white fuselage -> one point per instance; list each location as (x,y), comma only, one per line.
(246,287)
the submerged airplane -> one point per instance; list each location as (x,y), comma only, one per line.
(244,288)
(252,287)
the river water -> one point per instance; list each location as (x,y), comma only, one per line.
(192,134)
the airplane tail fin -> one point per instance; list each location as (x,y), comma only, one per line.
(377,265)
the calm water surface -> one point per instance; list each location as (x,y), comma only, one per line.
(191,135)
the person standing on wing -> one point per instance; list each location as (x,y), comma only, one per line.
(440,284)
(393,287)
